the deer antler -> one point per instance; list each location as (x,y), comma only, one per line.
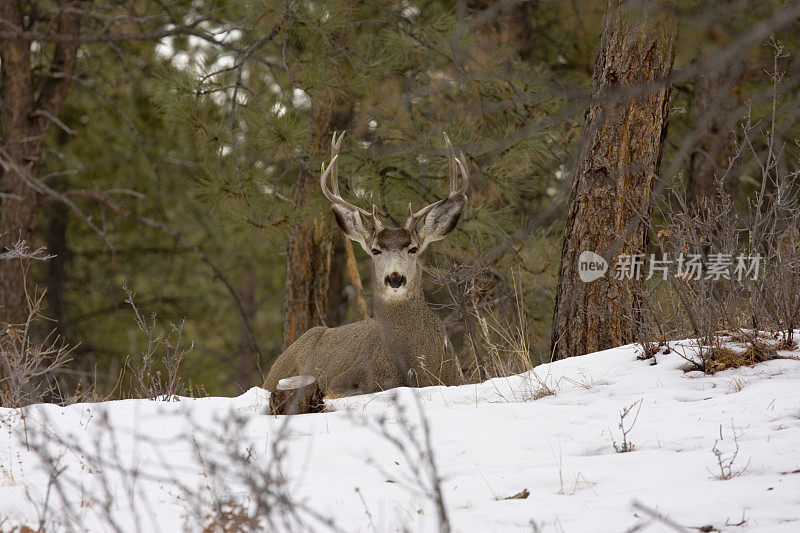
(455,165)
(332,194)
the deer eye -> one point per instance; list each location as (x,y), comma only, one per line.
(412,250)
(375,251)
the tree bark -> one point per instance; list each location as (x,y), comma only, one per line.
(315,256)
(715,102)
(610,202)
(509,25)
(315,263)
(26,119)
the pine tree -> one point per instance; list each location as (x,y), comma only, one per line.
(611,199)
(395,77)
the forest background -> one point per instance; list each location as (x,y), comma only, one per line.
(183,162)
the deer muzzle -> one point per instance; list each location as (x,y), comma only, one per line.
(395,280)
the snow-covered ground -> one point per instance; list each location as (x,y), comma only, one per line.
(157,466)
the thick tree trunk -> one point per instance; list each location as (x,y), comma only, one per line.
(315,264)
(298,286)
(17,222)
(20,155)
(315,255)
(28,110)
(610,201)
(355,280)
(516,33)
(715,102)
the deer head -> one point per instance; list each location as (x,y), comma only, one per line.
(395,251)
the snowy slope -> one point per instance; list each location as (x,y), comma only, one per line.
(157,466)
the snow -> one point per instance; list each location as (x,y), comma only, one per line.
(139,465)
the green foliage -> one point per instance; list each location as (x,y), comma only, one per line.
(215,140)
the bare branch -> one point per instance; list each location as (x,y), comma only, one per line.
(8,164)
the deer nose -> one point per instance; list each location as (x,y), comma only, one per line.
(395,280)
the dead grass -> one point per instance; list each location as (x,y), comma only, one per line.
(723,357)
(543,392)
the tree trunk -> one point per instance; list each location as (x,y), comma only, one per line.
(715,102)
(610,202)
(20,154)
(355,280)
(315,255)
(17,222)
(508,25)
(315,263)
(28,111)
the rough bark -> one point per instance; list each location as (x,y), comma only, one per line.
(715,103)
(315,254)
(315,263)
(611,198)
(28,110)
(298,295)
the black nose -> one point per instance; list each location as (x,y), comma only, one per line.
(395,280)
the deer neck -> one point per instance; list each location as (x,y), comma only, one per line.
(399,315)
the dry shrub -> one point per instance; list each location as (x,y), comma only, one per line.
(736,349)
(29,368)
(468,285)
(499,333)
(626,445)
(30,363)
(767,231)
(651,347)
(725,462)
(165,347)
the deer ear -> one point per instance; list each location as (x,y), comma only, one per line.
(439,221)
(355,227)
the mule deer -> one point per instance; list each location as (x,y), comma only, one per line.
(404,344)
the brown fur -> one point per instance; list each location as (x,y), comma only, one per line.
(404,344)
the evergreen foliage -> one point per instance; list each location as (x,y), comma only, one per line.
(212,139)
